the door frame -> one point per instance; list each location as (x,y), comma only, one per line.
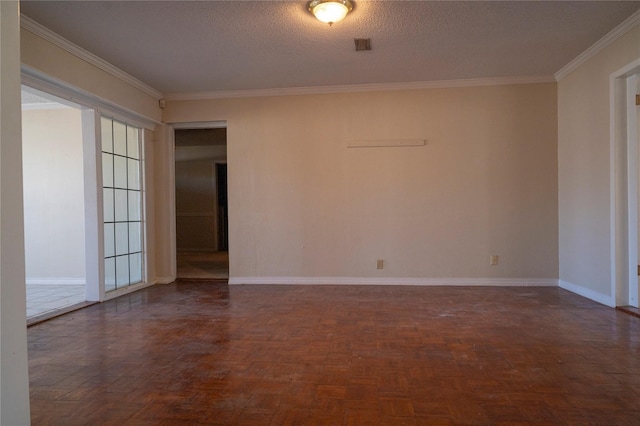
(171,174)
(624,85)
(93,108)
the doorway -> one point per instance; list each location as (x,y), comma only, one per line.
(202,241)
(625,186)
(634,285)
(223,211)
(54,204)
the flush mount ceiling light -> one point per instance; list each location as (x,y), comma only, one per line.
(330,11)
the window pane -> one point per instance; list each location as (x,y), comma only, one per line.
(135,267)
(107,135)
(132,142)
(119,138)
(135,238)
(122,199)
(108,206)
(110,274)
(121,205)
(133,174)
(134,205)
(109,240)
(122,238)
(107,169)
(122,271)
(119,172)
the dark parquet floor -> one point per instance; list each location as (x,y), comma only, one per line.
(205,353)
(203,265)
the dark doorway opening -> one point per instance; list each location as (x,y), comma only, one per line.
(223,211)
(202,240)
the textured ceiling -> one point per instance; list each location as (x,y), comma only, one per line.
(203,46)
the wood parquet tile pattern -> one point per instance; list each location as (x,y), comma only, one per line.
(195,353)
(203,265)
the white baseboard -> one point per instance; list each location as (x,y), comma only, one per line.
(493,282)
(164,280)
(126,290)
(55,281)
(588,293)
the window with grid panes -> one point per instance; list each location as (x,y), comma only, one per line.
(122,192)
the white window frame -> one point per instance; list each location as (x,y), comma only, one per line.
(93,108)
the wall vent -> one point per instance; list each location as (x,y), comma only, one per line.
(362,43)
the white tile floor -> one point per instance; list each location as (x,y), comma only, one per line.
(43,299)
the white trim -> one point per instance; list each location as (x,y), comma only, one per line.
(44,106)
(165,280)
(126,290)
(169,138)
(93,205)
(632,188)
(61,42)
(588,293)
(200,125)
(386,143)
(439,84)
(623,152)
(628,70)
(626,26)
(491,282)
(170,172)
(14,380)
(53,100)
(40,81)
(614,223)
(144,202)
(55,281)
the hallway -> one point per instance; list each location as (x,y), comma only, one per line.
(203,265)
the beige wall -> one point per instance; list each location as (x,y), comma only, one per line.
(55,62)
(196,197)
(302,204)
(584,169)
(195,205)
(150,212)
(163,226)
(53,182)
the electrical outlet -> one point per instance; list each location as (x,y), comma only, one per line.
(380,264)
(493,260)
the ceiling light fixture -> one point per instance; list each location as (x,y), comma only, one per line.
(330,11)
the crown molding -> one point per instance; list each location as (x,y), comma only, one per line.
(627,25)
(68,92)
(439,84)
(61,42)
